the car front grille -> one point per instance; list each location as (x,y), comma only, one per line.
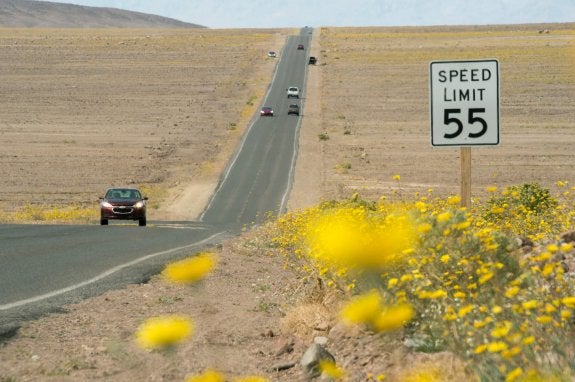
(123,210)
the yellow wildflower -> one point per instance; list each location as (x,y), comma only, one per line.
(450,314)
(330,369)
(161,332)
(568,301)
(362,309)
(393,317)
(406,278)
(482,323)
(453,200)
(544,319)
(424,228)
(512,292)
(528,340)
(367,309)
(191,269)
(443,217)
(480,349)
(496,347)
(464,311)
(513,375)
(207,376)
(396,177)
(549,308)
(463,225)
(548,269)
(485,278)
(531,304)
(514,351)
(440,293)
(501,330)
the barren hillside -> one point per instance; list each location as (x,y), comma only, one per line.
(46,14)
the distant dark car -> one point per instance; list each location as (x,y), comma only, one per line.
(123,204)
(266,111)
(300,47)
(293,109)
(312,60)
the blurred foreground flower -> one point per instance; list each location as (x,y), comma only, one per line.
(162,332)
(368,310)
(207,376)
(352,238)
(190,270)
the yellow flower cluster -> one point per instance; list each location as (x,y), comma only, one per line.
(457,276)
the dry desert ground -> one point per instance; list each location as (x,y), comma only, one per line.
(163,109)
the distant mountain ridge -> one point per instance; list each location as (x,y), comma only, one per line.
(45,14)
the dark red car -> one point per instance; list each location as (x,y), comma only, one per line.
(266,111)
(123,204)
(300,47)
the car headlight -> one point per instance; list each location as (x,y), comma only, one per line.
(107,205)
(140,204)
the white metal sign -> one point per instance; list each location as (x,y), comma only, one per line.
(464,103)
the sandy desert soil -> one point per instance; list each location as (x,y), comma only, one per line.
(87,109)
(368,93)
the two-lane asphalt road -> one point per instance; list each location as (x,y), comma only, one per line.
(44,267)
(258,179)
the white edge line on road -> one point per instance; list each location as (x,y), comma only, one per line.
(102,275)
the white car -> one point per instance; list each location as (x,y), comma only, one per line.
(272,54)
(293,92)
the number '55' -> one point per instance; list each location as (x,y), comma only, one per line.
(448,117)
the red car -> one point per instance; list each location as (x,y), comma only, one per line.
(267,112)
(123,204)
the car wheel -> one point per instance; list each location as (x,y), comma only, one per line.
(142,222)
(103,221)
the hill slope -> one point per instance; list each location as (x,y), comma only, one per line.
(45,14)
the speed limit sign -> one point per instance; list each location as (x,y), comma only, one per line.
(464,103)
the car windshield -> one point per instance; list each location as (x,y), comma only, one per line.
(122,193)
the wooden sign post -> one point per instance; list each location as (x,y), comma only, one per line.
(466,177)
